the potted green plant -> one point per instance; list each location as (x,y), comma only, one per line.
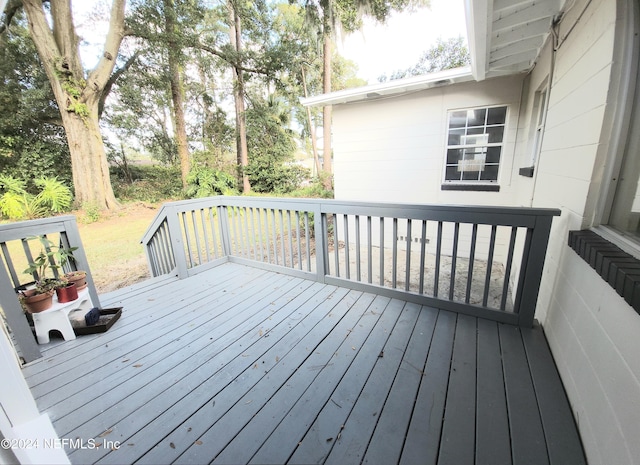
(66,291)
(40,297)
(79,278)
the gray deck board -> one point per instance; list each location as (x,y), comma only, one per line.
(388,437)
(563,441)
(423,438)
(242,365)
(492,420)
(457,444)
(528,444)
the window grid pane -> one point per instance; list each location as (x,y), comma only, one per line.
(474,144)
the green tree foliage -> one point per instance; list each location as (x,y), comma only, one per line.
(32,139)
(148,183)
(206,182)
(445,54)
(16,203)
(139,112)
(271,149)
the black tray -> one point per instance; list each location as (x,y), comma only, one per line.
(108,316)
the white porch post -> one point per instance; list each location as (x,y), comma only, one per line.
(20,421)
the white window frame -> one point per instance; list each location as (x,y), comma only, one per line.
(625,137)
(481,142)
(541,102)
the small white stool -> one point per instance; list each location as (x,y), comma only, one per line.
(57,317)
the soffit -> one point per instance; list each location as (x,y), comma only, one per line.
(505,36)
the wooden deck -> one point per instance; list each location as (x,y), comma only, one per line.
(242,365)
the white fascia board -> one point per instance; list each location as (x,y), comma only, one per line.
(391,88)
(478,33)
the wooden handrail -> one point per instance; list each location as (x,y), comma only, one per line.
(11,278)
(435,254)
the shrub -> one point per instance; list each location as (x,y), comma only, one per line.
(147,184)
(316,189)
(207,182)
(16,203)
(268,175)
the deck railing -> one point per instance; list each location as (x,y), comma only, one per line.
(485,261)
(19,247)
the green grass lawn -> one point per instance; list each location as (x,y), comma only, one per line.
(113,247)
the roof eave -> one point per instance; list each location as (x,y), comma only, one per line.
(477,17)
(391,88)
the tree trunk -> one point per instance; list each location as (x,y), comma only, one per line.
(235,36)
(78,98)
(326,110)
(177,91)
(312,128)
(91,178)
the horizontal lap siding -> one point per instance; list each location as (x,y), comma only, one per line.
(592,332)
(394,149)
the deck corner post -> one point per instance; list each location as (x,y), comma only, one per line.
(80,257)
(223,222)
(531,274)
(321,234)
(175,236)
(16,320)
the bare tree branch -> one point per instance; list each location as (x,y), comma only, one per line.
(10,11)
(100,75)
(229,59)
(113,78)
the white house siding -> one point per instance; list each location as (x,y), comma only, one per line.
(593,333)
(393,149)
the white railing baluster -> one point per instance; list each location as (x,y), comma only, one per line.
(394,255)
(347,258)
(454,259)
(298,239)
(472,253)
(369,252)
(336,244)
(205,236)
(507,270)
(436,279)
(407,271)
(358,271)
(247,232)
(307,240)
(196,235)
(187,240)
(423,250)
(253,234)
(275,236)
(382,251)
(212,227)
(266,238)
(282,234)
(290,236)
(487,283)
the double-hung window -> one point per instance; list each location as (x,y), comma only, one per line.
(474,146)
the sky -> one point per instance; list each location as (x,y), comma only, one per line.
(382,49)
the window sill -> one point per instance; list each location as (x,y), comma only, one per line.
(618,268)
(471,187)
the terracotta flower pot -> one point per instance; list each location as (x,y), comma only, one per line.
(39,302)
(77,277)
(68,293)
